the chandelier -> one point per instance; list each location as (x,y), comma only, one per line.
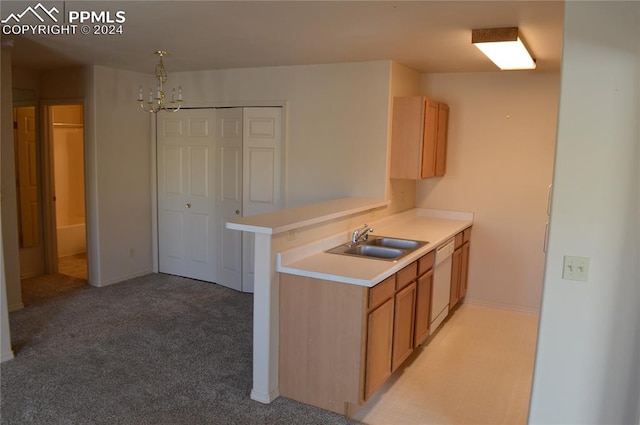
(156,102)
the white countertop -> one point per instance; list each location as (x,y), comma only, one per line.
(434,226)
(306,215)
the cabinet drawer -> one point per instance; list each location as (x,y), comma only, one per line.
(458,242)
(466,235)
(425,263)
(407,275)
(382,292)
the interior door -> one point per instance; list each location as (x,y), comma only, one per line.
(229,133)
(27,178)
(215,165)
(186,182)
(262,174)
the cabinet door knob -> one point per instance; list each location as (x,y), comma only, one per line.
(237,212)
(188,205)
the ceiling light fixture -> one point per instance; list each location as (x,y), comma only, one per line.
(156,103)
(504,46)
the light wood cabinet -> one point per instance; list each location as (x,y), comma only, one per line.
(339,342)
(423,307)
(403,321)
(424,286)
(419,138)
(460,267)
(379,343)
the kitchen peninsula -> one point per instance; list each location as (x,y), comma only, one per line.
(306,265)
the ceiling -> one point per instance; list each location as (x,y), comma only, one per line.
(429,36)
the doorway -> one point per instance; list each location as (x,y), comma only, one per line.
(49,161)
(66,133)
(28,191)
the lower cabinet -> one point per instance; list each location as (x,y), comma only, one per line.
(339,343)
(460,267)
(379,339)
(403,321)
(423,307)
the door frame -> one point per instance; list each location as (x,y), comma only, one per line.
(50,238)
(38,142)
(208,105)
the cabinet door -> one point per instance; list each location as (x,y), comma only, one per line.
(441,139)
(406,137)
(456,262)
(379,340)
(429,140)
(403,324)
(464,270)
(423,307)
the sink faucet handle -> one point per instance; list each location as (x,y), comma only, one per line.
(361,233)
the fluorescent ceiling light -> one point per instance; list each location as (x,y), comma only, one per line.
(504,47)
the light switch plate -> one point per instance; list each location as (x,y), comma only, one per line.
(576,268)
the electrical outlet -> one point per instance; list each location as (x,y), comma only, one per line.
(576,268)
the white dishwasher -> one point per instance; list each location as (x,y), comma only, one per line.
(441,284)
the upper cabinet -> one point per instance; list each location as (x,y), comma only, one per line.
(419,138)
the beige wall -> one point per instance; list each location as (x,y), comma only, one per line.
(119,177)
(588,357)
(9,203)
(336,121)
(68,154)
(500,154)
(402,81)
(7,209)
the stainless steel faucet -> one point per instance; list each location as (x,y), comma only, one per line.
(361,233)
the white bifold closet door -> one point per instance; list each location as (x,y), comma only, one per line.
(215,165)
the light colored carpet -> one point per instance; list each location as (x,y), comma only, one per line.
(157,349)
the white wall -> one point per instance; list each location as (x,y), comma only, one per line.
(9,202)
(499,164)
(117,167)
(336,121)
(7,135)
(119,183)
(588,357)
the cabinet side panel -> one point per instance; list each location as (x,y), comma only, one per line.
(456,263)
(406,137)
(293,328)
(320,341)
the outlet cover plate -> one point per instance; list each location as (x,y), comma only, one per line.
(576,268)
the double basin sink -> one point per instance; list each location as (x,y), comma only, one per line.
(379,248)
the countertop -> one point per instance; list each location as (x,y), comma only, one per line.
(306,215)
(434,226)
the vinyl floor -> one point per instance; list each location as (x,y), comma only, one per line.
(477,369)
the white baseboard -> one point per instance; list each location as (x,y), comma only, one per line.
(491,304)
(121,278)
(15,307)
(6,356)
(265,398)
